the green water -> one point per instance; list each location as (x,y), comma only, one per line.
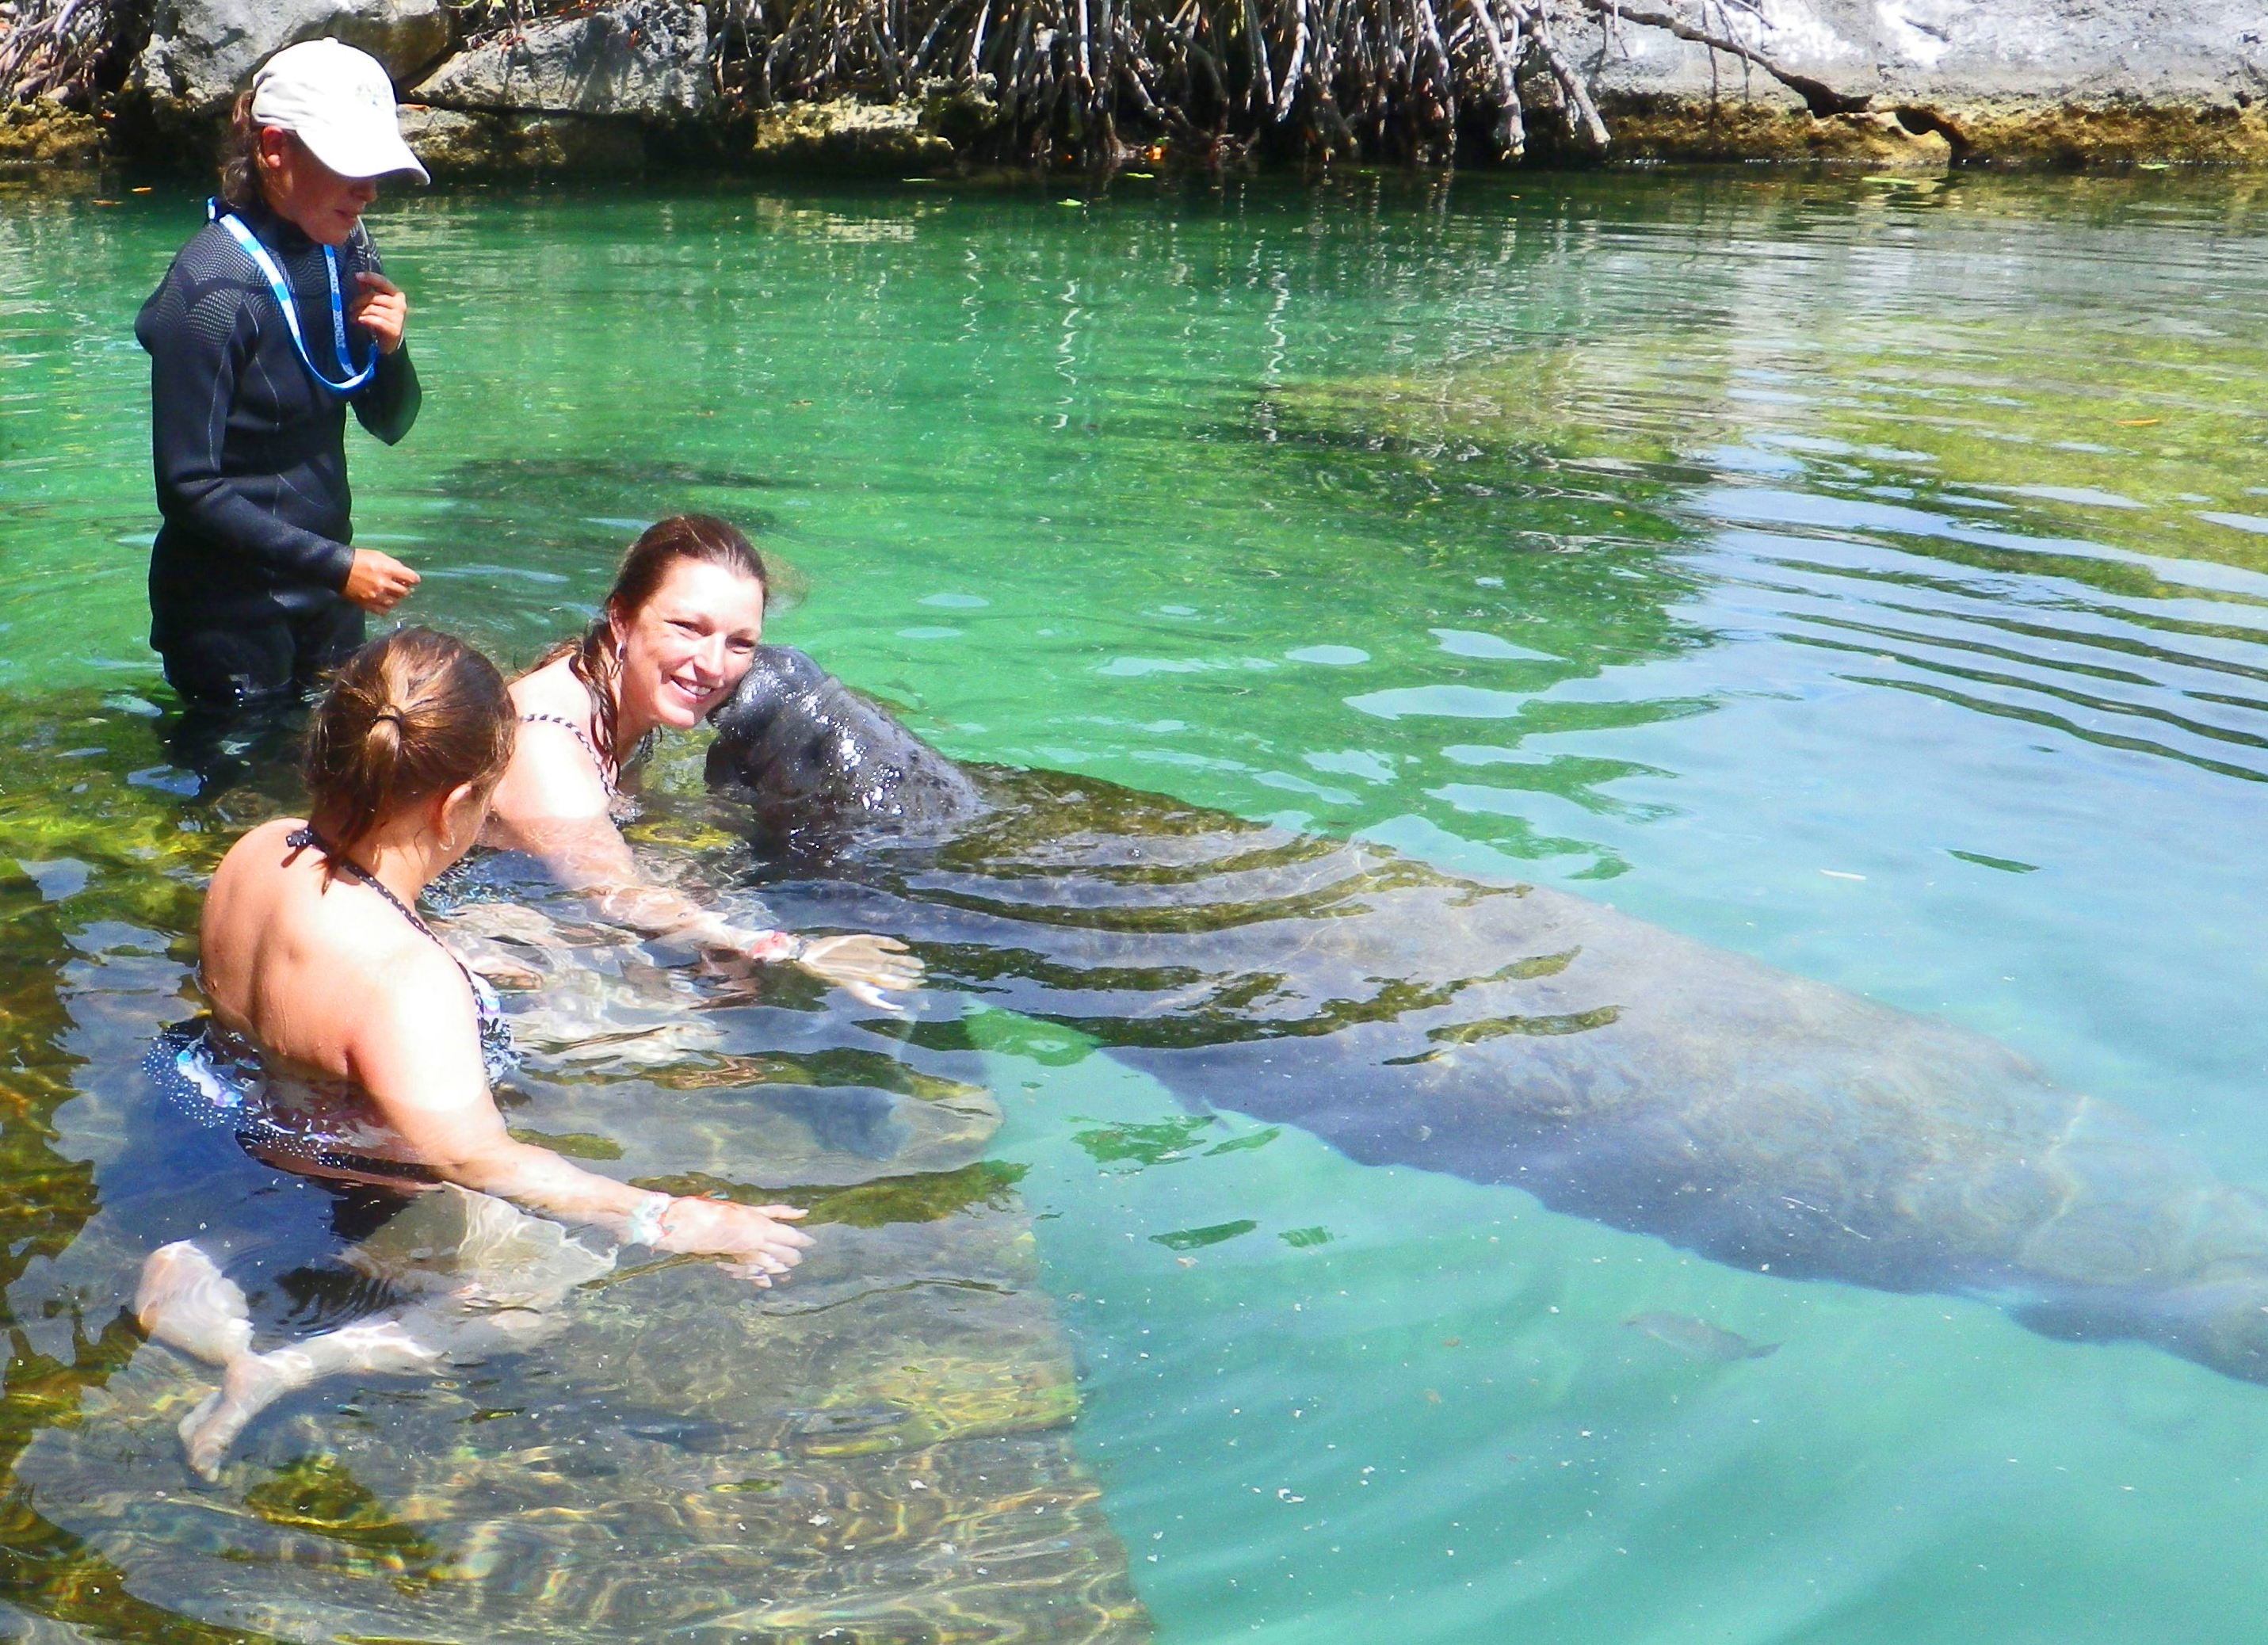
(1868,578)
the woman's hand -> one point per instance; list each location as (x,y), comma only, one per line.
(380,309)
(862,966)
(755,1240)
(377,582)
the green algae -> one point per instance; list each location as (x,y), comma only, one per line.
(925,1198)
(2149,442)
(573,1144)
(1165,1142)
(318,1494)
(1141,1145)
(1198,1238)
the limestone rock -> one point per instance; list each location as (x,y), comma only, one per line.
(47,136)
(642,58)
(2064,81)
(847,136)
(202,52)
(454,144)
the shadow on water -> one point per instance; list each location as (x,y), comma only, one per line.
(861,1453)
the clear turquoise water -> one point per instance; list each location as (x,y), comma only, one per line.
(1864,577)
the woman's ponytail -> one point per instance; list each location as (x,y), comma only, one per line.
(407,717)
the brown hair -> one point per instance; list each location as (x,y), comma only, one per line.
(662,545)
(407,717)
(239,159)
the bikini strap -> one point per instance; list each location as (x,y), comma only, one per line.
(301,839)
(576,732)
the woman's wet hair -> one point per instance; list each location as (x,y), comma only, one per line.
(595,657)
(407,717)
(239,159)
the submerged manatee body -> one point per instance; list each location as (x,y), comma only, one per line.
(1511,1033)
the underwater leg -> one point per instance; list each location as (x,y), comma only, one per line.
(186,1303)
(253,1381)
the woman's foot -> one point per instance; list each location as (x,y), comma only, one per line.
(252,1383)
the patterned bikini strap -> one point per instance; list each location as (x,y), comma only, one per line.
(576,732)
(301,839)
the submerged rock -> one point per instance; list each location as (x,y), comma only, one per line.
(872,1452)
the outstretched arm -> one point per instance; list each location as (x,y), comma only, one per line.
(417,1054)
(552,804)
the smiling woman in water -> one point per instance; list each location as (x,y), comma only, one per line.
(678,632)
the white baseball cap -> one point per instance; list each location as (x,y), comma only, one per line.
(340,103)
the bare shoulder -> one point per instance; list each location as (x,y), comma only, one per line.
(551,689)
(252,877)
(261,848)
(553,774)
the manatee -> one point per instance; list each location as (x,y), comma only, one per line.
(1506,1033)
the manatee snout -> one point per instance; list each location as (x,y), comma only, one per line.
(816,760)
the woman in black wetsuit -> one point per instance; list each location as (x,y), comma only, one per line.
(272,320)
(347,1045)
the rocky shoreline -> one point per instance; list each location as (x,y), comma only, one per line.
(620,86)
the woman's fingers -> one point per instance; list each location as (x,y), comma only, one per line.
(380,308)
(861,965)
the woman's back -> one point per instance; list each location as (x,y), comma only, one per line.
(305,963)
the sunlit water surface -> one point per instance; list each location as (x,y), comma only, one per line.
(1863,576)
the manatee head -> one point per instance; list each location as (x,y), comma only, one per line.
(823,768)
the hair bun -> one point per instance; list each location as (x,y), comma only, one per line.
(452,725)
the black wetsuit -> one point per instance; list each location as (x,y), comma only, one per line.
(250,452)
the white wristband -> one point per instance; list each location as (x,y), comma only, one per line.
(646,1220)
